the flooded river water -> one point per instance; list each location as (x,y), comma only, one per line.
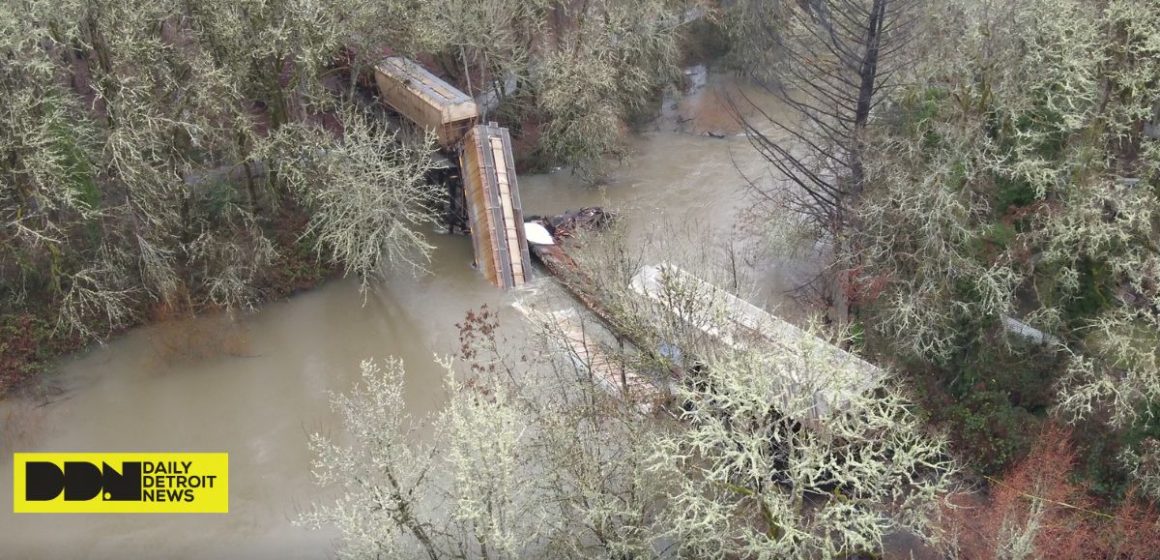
(261,400)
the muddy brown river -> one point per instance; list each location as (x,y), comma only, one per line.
(261,400)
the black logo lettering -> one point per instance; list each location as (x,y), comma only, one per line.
(124,486)
(44,481)
(82,481)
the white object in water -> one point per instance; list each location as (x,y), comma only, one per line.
(537,234)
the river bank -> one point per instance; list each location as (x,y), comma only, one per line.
(31,341)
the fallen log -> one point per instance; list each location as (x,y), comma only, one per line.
(569,273)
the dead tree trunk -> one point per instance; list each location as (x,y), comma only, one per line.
(832,62)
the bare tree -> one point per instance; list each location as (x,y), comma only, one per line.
(137,141)
(1018,182)
(607,60)
(367,192)
(542,465)
(833,63)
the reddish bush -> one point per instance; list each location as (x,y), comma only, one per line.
(1133,532)
(27,343)
(1037,502)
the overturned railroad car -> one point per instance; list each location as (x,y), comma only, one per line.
(425,99)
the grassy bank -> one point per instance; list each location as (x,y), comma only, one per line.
(32,339)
